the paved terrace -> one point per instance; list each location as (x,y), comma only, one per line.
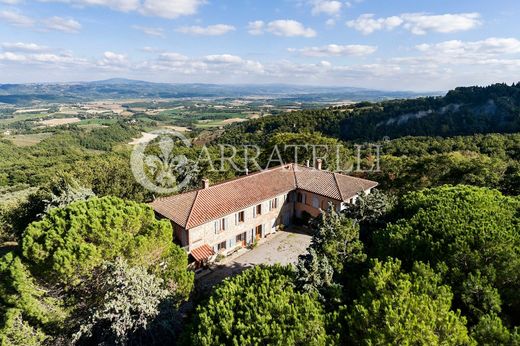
(284,247)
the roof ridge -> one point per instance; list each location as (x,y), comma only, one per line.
(337,186)
(247,176)
(191,209)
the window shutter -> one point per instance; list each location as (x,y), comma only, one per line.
(236,219)
(216,228)
(225,221)
(270,205)
(254,211)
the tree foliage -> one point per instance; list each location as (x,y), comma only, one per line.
(26,308)
(337,238)
(128,301)
(258,307)
(69,243)
(472,235)
(398,308)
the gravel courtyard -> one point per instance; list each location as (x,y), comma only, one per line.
(284,247)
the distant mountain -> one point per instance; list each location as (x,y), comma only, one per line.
(118,88)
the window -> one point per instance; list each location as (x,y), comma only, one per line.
(221,246)
(273,204)
(220,225)
(299,197)
(323,205)
(258,210)
(315,202)
(241,217)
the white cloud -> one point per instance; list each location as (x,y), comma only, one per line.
(170,9)
(289,28)
(62,24)
(30,55)
(158,32)
(211,30)
(420,24)
(281,27)
(330,8)
(11,2)
(256,27)
(417,23)
(158,8)
(367,24)
(113,61)
(22,47)
(118,5)
(223,58)
(14,57)
(336,50)
(15,18)
(173,56)
(473,50)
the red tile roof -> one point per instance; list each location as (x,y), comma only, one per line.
(202,253)
(195,208)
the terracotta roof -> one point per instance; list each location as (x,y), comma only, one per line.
(195,208)
(202,253)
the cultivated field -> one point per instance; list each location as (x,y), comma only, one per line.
(59,121)
(28,140)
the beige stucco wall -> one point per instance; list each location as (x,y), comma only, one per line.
(205,234)
(287,205)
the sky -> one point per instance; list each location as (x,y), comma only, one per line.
(426,45)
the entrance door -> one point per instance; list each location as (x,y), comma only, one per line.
(258,232)
(241,239)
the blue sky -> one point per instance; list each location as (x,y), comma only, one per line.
(384,44)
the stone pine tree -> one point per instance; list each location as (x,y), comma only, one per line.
(398,308)
(260,307)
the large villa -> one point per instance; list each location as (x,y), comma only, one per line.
(224,217)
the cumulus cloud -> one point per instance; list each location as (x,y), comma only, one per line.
(289,28)
(223,58)
(330,8)
(169,9)
(13,57)
(417,23)
(211,30)
(472,50)
(113,61)
(32,54)
(158,32)
(68,25)
(420,24)
(367,23)
(336,50)
(256,27)
(22,47)
(281,27)
(15,18)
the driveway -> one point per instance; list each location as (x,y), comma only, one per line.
(284,247)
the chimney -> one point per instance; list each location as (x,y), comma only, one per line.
(308,163)
(318,162)
(205,183)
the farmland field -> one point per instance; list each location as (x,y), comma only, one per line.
(28,140)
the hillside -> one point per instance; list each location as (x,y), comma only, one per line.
(23,94)
(463,111)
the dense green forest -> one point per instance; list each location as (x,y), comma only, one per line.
(431,257)
(463,111)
